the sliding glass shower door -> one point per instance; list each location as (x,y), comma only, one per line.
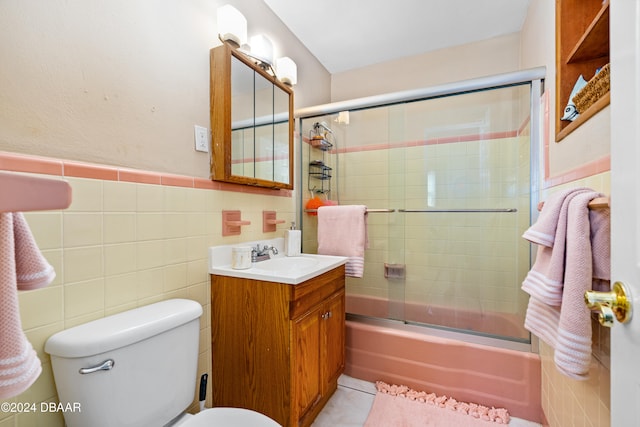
(447,181)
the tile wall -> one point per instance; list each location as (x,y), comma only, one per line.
(124,244)
(447,255)
(568,402)
(446,249)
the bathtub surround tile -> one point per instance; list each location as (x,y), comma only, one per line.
(175,277)
(120,289)
(87,195)
(175,225)
(46,227)
(38,336)
(150,254)
(149,245)
(120,196)
(82,229)
(119,227)
(197,272)
(54,257)
(150,198)
(150,226)
(582,402)
(196,245)
(175,251)
(83,263)
(41,307)
(83,298)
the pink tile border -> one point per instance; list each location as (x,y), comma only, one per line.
(584,171)
(433,141)
(17,162)
(83,170)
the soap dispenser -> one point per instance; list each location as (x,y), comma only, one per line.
(292,241)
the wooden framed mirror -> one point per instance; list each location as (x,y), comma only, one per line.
(251,123)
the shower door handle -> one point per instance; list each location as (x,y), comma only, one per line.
(615,303)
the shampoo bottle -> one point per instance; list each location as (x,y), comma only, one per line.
(292,241)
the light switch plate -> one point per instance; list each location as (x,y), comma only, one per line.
(202,139)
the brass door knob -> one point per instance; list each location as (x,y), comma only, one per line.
(610,304)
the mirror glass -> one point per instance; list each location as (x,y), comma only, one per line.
(280,135)
(251,121)
(242,120)
(264,128)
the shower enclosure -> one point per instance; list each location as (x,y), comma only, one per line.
(449,178)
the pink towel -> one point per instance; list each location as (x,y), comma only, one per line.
(546,278)
(342,230)
(22,266)
(543,232)
(567,328)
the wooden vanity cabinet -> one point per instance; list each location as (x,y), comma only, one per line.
(277,348)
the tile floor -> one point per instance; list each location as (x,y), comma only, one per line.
(351,403)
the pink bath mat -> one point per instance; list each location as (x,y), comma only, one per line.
(400,406)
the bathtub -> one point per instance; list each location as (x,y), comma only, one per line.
(492,323)
(397,353)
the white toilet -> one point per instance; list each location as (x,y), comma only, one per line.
(137,369)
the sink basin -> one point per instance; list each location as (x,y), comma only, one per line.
(281,269)
(286,264)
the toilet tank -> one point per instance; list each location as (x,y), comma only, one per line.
(153,353)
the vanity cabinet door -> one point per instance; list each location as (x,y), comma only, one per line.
(333,357)
(318,339)
(306,362)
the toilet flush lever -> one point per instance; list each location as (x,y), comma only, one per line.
(104,366)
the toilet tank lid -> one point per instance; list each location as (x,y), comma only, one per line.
(122,329)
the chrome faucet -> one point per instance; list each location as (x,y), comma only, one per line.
(262,254)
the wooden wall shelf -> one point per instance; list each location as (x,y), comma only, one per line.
(582,46)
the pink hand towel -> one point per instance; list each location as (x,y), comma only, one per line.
(568,328)
(342,230)
(21,266)
(546,278)
(543,232)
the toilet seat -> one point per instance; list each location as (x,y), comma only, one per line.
(229,417)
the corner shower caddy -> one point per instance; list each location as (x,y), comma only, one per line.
(319,172)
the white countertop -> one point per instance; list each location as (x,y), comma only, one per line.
(281,269)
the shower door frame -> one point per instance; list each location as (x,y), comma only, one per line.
(534,77)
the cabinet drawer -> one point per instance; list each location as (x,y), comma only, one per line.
(313,291)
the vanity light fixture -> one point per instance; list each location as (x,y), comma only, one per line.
(232,29)
(262,49)
(232,25)
(287,71)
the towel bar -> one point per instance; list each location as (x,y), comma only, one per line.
(457,210)
(597,203)
(368,210)
(22,193)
